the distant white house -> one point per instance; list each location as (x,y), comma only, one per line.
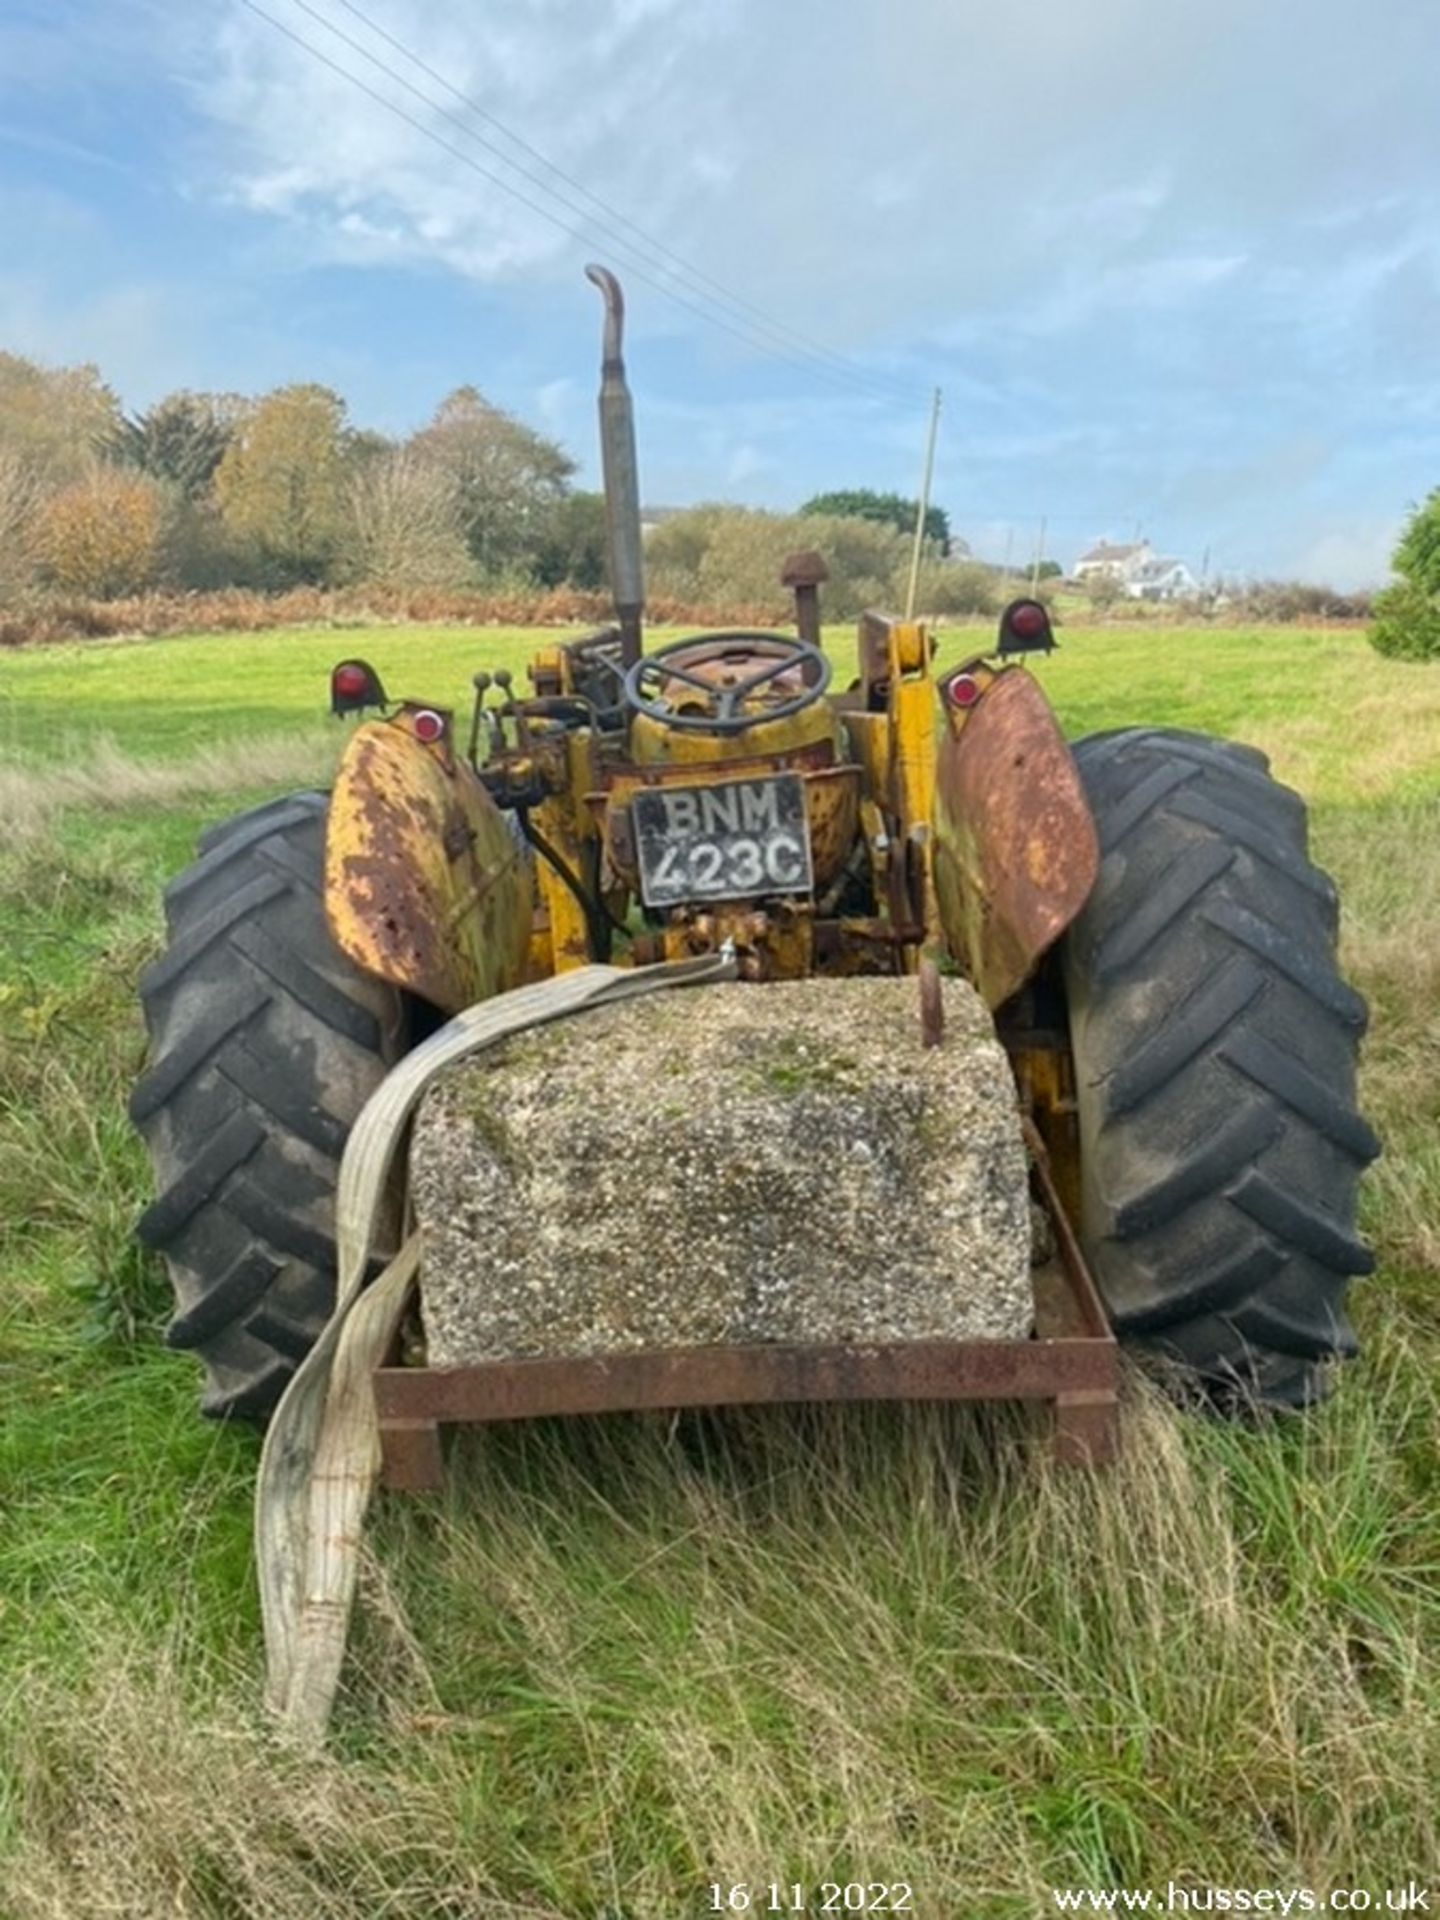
(1117,562)
(1162,580)
(1144,574)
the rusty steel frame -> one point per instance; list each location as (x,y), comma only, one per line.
(1071,1361)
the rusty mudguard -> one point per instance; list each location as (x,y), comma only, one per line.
(1015,849)
(425,886)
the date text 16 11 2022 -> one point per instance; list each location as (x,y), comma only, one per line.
(826,1896)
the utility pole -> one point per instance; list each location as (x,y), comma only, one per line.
(923,509)
(1039,555)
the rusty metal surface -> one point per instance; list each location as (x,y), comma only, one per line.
(807,568)
(424,884)
(805,573)
(739,1376)
(771,943)
(1045,1074)
(1087,1428)
(932,1005)
(654,745)
(1015,849)
(1080,1283)
(694,681)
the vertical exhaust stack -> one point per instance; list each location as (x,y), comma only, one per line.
(621,472)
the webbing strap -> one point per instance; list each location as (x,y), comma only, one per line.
(322,1452)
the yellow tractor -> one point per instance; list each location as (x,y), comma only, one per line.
(1139,914)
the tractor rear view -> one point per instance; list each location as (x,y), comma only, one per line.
(1139,915)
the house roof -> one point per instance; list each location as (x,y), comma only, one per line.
(1102,550)
(1157,569)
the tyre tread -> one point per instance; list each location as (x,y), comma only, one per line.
(1214,1043)
(265,1040)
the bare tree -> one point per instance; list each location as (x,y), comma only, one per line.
(403,524)
(19,501)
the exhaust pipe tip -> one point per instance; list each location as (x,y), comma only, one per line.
(614,298)
(620,471)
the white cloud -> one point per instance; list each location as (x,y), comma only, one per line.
(304,144)
(1141,249)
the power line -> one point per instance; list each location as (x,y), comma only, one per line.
(747,337)
(784,341)
(679,265)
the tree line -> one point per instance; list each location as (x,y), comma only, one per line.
(203,491)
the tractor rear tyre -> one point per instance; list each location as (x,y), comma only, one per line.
(265,1042)
(1214,1044)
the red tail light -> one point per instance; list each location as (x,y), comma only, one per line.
(1025,627)
(963,691)
(1029,620)
(429,726)
(354,684)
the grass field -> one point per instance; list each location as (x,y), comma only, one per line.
(621,1660)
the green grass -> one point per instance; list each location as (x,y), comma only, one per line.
(1343,722)
(621,1659)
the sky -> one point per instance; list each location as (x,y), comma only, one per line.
(1175,264)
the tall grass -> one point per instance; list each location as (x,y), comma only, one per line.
(620,1659)
(105,778)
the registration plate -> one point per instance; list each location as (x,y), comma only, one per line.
(727,842)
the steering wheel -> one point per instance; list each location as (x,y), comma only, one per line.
(723,693)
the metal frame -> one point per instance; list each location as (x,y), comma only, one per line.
(1071,1361)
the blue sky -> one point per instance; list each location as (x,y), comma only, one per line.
(1174,264)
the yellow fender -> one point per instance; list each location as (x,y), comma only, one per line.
(425,885)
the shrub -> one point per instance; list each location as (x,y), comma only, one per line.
(573,551)
(743,557)
(1287,600)
(869,562)
(731,557)
(37,620)
(1407,615)
(1103,590)
(101,535)
(675,548)
(200,553)
(1407,623)
(954,592)
(1417,557)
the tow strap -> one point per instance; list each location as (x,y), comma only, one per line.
(321,1456)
